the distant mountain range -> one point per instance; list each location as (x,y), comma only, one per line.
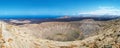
(58,18)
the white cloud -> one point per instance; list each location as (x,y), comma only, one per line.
(104,11)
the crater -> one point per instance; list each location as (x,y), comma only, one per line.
(64,31)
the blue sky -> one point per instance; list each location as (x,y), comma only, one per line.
(54,7)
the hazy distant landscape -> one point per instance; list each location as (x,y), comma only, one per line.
(50,18)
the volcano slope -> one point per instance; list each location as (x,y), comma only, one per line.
(78,34)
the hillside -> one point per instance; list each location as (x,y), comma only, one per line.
(75,34)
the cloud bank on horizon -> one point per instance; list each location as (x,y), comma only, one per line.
(103,11)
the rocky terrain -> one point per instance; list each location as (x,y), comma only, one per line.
(75,34)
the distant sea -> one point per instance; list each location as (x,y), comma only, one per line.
(29,16)
(55,17)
